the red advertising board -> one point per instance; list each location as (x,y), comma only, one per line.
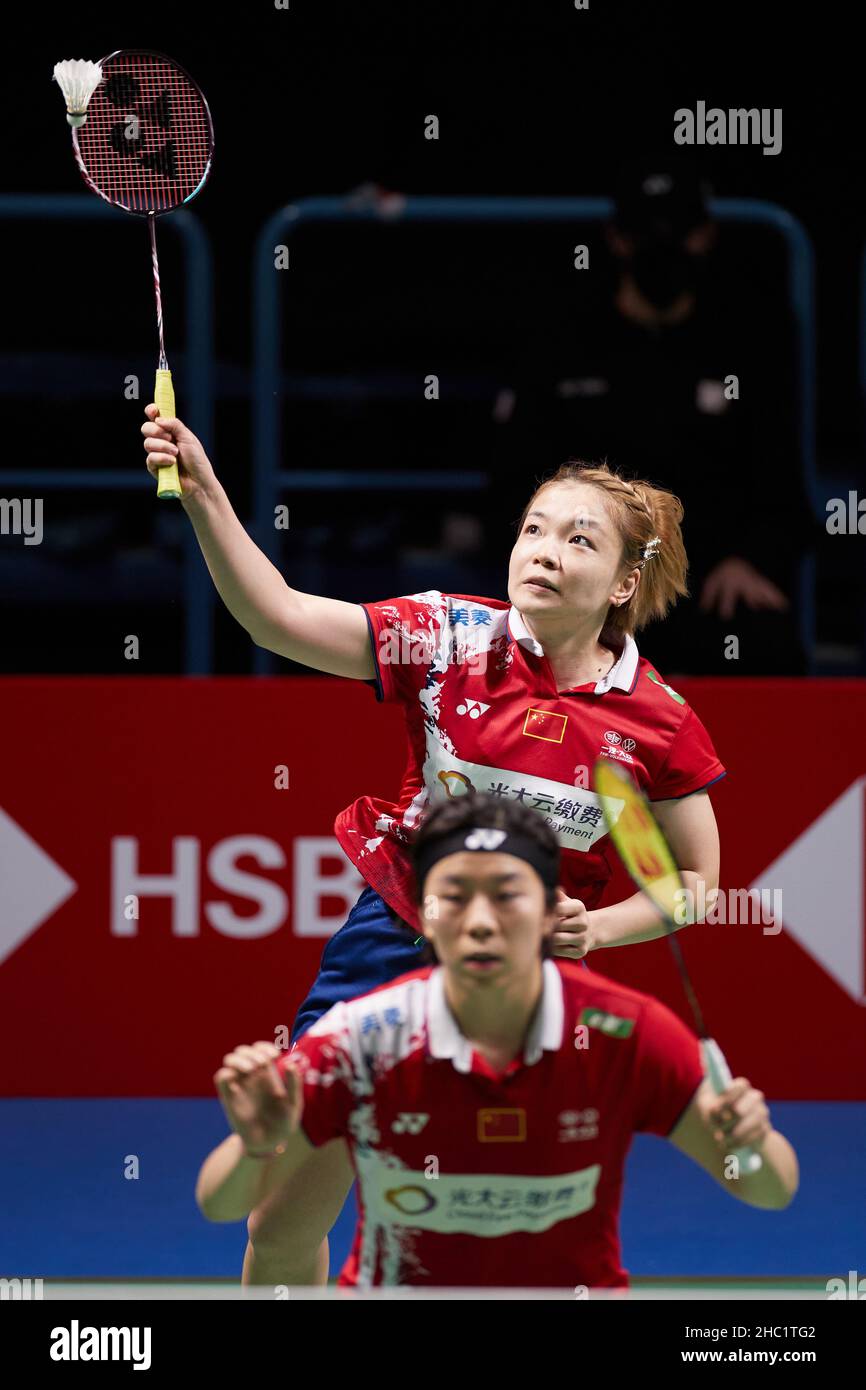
(169,875)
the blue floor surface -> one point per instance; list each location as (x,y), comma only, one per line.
(68,1209)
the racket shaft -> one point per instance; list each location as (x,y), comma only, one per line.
(720,1077)
(168,482)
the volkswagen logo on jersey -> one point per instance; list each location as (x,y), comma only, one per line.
(615,746)
(409,1124)
(577,1124)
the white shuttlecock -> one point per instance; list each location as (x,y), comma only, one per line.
(78,80)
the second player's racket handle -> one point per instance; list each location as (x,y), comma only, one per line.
(168,482)
(720,1077)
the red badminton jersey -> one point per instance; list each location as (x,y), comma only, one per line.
(471,1178)
(483,712)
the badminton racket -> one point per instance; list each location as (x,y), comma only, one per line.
(144,143)
(645,852)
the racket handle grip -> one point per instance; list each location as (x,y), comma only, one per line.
(168,481)
(720,1077)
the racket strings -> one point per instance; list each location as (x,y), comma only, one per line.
(648,859)
(157,160)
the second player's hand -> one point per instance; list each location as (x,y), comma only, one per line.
(734,581)
(572,935)
(739,1117)
(262,1107)
(169,441)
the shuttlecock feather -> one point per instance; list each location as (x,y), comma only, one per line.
(77,80)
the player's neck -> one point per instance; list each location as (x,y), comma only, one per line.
(576,657)
(496,1020)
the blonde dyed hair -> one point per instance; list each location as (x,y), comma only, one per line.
(640,512)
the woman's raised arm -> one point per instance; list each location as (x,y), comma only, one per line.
(323,633)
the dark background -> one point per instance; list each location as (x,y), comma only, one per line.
(532,99)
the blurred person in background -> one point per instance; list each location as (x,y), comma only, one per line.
(638,371)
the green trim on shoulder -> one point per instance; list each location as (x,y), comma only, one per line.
(657,680)
(611,1024)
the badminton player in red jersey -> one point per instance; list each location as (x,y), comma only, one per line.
(515,698)
(488,1103)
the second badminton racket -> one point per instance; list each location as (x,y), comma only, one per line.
(647,856)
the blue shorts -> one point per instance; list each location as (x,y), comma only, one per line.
(371,948)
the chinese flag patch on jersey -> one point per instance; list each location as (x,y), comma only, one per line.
(498,1126)
(546,724)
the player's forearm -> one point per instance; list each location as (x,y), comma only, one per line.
(622,924)
(776,1181)
(229,1184)
(251,588)
(635,919)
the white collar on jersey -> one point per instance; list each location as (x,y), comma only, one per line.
(621,674)
(444,1038)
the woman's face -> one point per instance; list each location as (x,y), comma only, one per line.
(486,916)
(567,560)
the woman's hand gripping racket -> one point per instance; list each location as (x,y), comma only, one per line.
(143,140)
(646,855)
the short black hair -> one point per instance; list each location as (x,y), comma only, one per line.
(490,813)
(661,196)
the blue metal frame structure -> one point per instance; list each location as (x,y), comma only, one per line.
(268,313)
(198,393)
(269,477)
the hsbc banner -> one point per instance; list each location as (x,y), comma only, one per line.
(169,875)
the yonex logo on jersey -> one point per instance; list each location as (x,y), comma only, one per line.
(501,1126)
(485,839)
(409,1124)
(545,724)
(474,708)
(610,1024)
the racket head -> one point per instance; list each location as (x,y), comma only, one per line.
(638,838)
(160,159)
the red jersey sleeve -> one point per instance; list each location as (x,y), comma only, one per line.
(668,1069)
(691,763)
(323,1056)
(406,635)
